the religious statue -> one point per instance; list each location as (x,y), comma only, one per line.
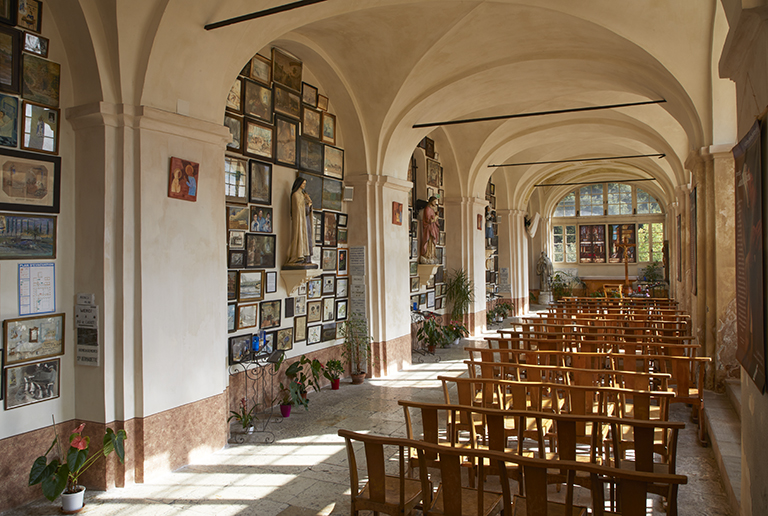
(544,269)
(489,233)
(430,232)
(302,234)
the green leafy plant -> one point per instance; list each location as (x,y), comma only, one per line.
(333,369)
(454,330)
(653,272)
(460,291)
(564,283)
(356,348)
(243,416)
(293,393)
(432,333)
(60,475)
(300,375)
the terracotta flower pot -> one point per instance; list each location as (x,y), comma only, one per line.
(357,379)
(335,384)
(285,410)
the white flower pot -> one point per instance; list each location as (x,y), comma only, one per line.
(72,502)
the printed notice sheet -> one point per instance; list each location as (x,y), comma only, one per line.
(37,288)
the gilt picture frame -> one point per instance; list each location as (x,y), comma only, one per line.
(258,139)
(45,377)
(40,80)
(28,339)
(29,182)
(286,69)
(257,100)
(286,141)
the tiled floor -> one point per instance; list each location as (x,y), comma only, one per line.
(304,472)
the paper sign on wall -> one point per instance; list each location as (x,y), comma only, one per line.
(37,288)
(87,328)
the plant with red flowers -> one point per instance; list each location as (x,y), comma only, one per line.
(61,475)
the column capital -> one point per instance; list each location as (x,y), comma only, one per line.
(366,180)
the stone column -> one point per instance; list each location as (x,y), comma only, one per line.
(514,255)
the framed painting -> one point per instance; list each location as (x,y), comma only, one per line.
(423,299)
(250,286)
(328,332)
(439,303)
(329,229)
(269,342)
(261,219)
(332,192)
(40,80)
(314,311)
(300,329)
(287,102)
(429,147)
(271,279)
(235,126)
(183,177)
(259,139)
(260,251)
(9,121)
(32,383)
(236,259)
(286,69)
(329,260)
(260,181)
(414,268)
(261,69)
(269,316)
(315,288)
(30,15)
(329,309)
(232,284)
(246,315)
(322,102)
(231,317)
(27,236)
(440,196)
(10,59)
(342,220)
(341,309)
(237,217)
(284,339)
(317,219)
(286,141)
(314,189)
(33,338)
(333,162)
(431,299)
(257,101)
(329,128)
(234,97)
(8,11)
(621,238)
(341,263)
(236,182)
(342,287)
(313,334)
(289,306)
(441,238)
(329,284)
(397,213)
(246,71)
(311,122)
(310,155)
(342,236)
(30,182)
(433,173)
(415,284)
(309,94)
(239,348)
(300,307)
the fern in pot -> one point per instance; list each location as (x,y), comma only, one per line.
(460,292)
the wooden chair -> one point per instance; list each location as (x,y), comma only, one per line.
(394,495)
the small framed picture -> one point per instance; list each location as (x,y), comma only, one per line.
(235,126)
(318,219)
(429,147)
(286,102)
(10,77)
(235,259)
(35,44)
(271,279)
(309,94)
(342,220)
(250,286)
(329,284)
(328,332)
(415,284)
(439,303)
(33,338)
(284,339)
(311,122)
(260,251)
(234,97)
(341,309)
(315,288)
(236,181)
(329,309)
(414,268)
(300,328)
(289,307)
(310,155)
(329,229)
(232,284)
(32,383)
(329,260)
(8,12)
(322,102)
(342,287)
(269,342)
(260,181)
(329,128)
(301,305)
(246,315)
(286,141)
(9,122)
(286,69)
(183,177)
(397,213)
(342,237)
(341,329)
(257,101)
(261,219)
(261,69)
(431,299)
(30,15)
(237,217)
(269,315)
(333,162)
(239,348)
(231,317)
(40,128)
(40,80)
(341,262)
(259,139)
(433,173)
(423,299)
(314,311)
(313,334)
(14,247)
(440,196)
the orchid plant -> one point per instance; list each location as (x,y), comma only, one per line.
(57,477)
(243,416)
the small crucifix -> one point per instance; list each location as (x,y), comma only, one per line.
(626,246)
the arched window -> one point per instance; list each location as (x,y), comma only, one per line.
(646,204)
(567,207)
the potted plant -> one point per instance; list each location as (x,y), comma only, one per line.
(432,334)
(292,394)
(461,292)
(298,380)
(356,348)
(60,476)
(333,370)
(454,331)
(243,416)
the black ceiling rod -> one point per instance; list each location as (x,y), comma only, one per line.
(538,113)
(607,158)
(596,182)
(261,14)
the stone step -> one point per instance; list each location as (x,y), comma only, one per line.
(723,425)
(733,390)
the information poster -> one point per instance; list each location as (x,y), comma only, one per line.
(357,279)
(37,288)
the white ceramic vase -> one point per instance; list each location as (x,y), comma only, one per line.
(72,502)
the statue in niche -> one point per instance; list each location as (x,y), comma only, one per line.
(302,228)
(430,232)
(544,269)
(489,233)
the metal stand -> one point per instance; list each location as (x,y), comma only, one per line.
(260,374)
(419,316)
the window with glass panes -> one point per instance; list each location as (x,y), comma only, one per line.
(646,204)
(619,199)
(650,241)
(567,207)
(564,244)
(591,200)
